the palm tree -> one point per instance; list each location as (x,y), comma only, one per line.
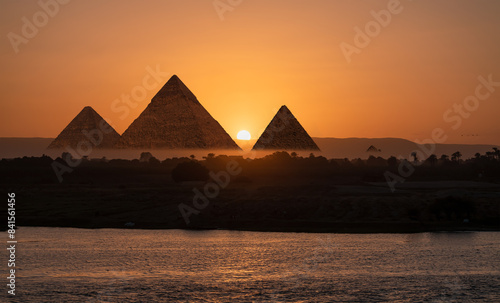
(415,158)
(209,156)
(456,156)
(432,159)
(497,153)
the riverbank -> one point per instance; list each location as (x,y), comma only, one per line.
(301,207)
(304,227)
(278,193)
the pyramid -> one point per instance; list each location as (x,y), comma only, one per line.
(176,119)
(88,127)
(373,149)
(285,133)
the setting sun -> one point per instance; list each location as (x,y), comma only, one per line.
(243,135)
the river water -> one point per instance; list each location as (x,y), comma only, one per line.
(111,265)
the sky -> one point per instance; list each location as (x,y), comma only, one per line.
(368,69)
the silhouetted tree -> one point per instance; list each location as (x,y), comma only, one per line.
(145,156)
(371,160)
(209,156)
(392,162)
(358,162)
(496,151)
(153,161)
(281,156)
(415,157)
(346,164)
(455,157)
(432,160)
(444,159)
(376,161)
(67,157)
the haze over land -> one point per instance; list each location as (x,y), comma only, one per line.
(330,148)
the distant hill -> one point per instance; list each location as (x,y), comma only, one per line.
(330,148)
(20,147)
(358,148)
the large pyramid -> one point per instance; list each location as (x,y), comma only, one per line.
(88,127)
(285,133)
(176,119)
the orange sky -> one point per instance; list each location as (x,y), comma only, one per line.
(262,55)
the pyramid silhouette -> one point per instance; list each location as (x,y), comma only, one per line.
(175,119)
(285,133)
(88,127)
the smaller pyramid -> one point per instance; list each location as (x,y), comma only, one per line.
(87,127)
(373,149)
(285,133)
